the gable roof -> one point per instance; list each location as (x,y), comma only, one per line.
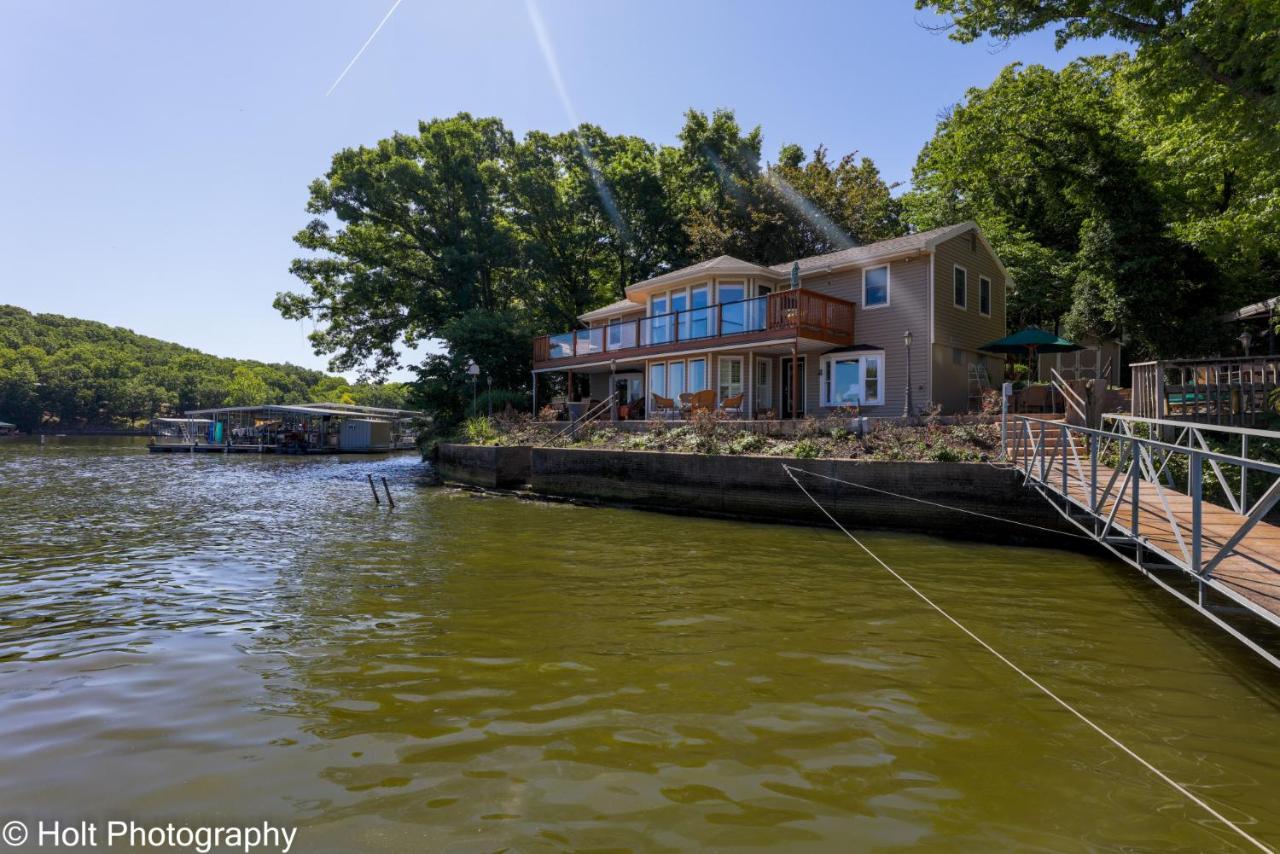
(921,241)
(619,307)
(720,265)
(857,256)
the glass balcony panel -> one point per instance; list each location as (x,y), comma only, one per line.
(561,345)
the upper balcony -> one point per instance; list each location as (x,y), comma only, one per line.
(786,314)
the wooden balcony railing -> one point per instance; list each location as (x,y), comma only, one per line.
(1232,391)
(806,313)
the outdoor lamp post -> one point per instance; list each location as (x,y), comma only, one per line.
(473,370)
(906,404)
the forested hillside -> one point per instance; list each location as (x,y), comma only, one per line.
(75,373)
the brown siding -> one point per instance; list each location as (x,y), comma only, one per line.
(964,329)
(883,328)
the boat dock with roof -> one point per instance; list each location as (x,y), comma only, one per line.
(303,428)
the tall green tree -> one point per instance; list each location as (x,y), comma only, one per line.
(421,236)
(1200,96)
(1229,44)
(1039,160)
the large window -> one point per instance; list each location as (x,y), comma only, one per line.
(732,311)
(658,379)
(675,380)
(659,321)
(730,377)
(875,287)
(960,284)
(697,374)
(699,323)
(984,295)
(853,380)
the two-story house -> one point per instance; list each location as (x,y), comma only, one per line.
(801,337)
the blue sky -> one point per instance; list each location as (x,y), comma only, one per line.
(155,156)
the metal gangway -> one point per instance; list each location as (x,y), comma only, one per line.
(1173,499)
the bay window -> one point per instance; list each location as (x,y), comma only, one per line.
(852,379)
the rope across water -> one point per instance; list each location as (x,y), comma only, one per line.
(1174,784)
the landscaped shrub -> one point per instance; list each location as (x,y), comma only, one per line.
(480,431)
(806,449)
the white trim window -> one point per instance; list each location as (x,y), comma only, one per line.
(658,379)
(764,383)
(960,287)
(984,296)
(729,377)
(875,286)
(852,379)
(697,375)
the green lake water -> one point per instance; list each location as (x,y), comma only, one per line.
(239,639)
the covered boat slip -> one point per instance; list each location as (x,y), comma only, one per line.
(306,428)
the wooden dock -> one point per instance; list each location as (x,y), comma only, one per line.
(1115,488)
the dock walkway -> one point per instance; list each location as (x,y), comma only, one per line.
(1119,488)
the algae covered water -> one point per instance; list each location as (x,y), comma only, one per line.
(242,639)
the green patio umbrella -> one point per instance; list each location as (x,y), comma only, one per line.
(1032,342)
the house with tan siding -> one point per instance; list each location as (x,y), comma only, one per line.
(799,338)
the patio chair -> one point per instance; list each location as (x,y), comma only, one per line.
(664,407)
(703,401)
(686,403)
(732,406)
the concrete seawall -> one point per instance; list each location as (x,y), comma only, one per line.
(488,467)
(758,488)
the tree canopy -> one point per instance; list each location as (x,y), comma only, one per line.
(79,373)
(1136,193)
(465,234)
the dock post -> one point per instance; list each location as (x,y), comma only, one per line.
(1194,482)
(1063,436)
(1135,457)
(1093,473)
(374,490)
(387,489)
(1004,419)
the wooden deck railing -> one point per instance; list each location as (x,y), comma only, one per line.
(806,313)
(1213,391)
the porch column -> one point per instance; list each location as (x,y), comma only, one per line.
(534,374)
(613,390)
(751,385)
(569,392)
(795,379)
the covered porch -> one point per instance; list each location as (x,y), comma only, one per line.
(763,381)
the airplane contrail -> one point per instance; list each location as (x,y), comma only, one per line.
(364,47)
(593,168)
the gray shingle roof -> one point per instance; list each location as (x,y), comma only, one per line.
(612,308)
(720,264)
(921,240)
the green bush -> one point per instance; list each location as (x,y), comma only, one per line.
(503,399)
(807,449)
(943,454)
(747,443)
(480,431)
